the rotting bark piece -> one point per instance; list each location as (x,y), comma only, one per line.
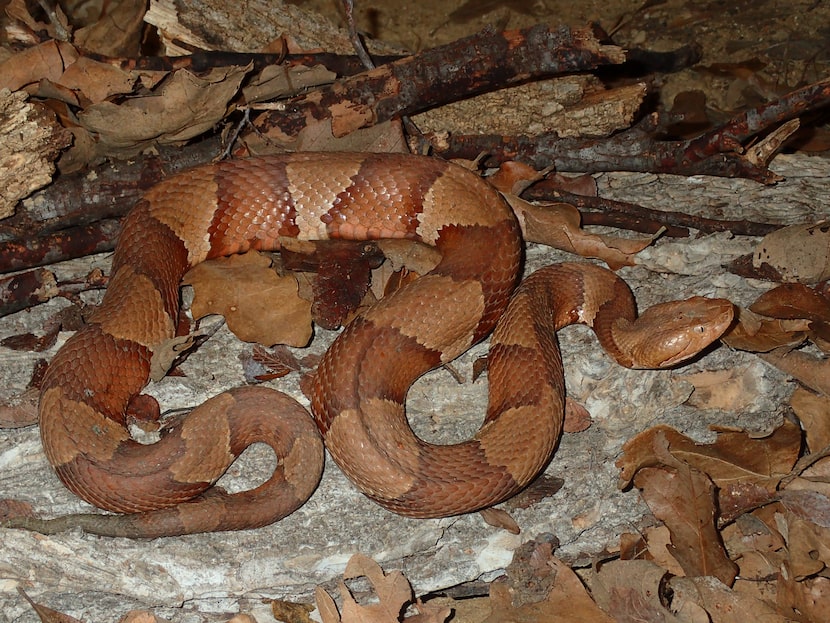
(32,139)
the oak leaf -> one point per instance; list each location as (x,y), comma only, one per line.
(258,305)
(393,592)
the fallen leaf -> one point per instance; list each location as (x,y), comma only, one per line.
(792,301)
(809,505)
(658,539)
(94,82)
(558,225)
(811,371)
(167,352)
(142,616)
(274,364)
(19,411)
(258,305)
(393,593)
(48,615)
(279,81)
(630,590)
(28,68)
(183,106)
(805,601)
(116,31)
(798,253)
(759,334)
(723,604)
(567,601)
(735,456)
(577,417)
(342,272)
(813,411)
(808,545)
(501,519)
(684,500)
(732,389)
(416,256)
(291,611)
(758,550)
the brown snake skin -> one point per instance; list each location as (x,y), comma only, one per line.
(360,386)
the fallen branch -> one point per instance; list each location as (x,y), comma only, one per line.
(718,152)
(79,214)
(482,62)
(602,211)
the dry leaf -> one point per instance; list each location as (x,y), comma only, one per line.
(393,594)
(813,372)
(501,519)
(809,505)
(273,364)
(259,305)
(658,540)
(20,410)
(630,590)
(279,81)
(141,616)
(94,81)
(117,31)
(343,269)
(734,457)
(798,253)
(813,411)
(57,29)
(291,611)
(558,225)
(48,615)
(577,417)
(758,334)
(46,61)
(732,389)
(167,352)
(792,301)
(803,601)
(808,545)
(684,500)
(184,106)
(725,605)
(567,601)
(416,256)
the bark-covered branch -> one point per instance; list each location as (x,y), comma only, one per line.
(718,152)
(482,62)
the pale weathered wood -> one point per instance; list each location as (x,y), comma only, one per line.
(30,141)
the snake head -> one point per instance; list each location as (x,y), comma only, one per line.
(678,330)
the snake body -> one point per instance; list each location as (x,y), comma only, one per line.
(359,389)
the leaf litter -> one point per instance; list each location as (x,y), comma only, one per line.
(741,526)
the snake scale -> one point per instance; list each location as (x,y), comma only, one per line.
(359,389)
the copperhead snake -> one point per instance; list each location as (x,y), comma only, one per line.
(360,386)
